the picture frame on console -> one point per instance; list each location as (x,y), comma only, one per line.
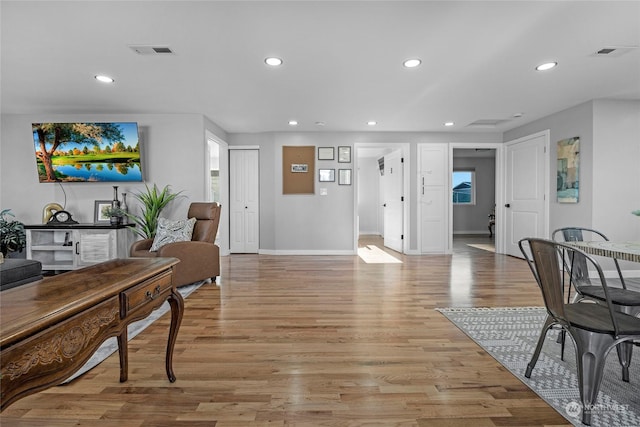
(99,214)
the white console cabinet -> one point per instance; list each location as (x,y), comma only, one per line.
(69,247)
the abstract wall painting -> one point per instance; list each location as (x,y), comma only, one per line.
(568,180)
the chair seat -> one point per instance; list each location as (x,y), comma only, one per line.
(597,318)
(617,295)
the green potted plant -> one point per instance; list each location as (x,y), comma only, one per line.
(153,202)
(115,214)
(13,237)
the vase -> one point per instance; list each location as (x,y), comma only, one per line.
(124,208)
(115,203)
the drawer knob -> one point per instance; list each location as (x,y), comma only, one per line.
(155,293)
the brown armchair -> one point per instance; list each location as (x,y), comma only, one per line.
(199,258)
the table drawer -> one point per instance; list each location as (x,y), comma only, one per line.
(146,291)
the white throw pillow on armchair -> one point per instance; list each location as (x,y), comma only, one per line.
(170,231)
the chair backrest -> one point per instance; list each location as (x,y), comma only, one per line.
(576,263)
(546,258)
(544,262)
(207,215)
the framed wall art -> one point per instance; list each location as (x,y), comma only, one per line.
(344,176)
(568,177)
(326,153)
(344,154)
(327,175)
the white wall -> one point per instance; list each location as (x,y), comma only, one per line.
(575,121)
(616,168)
(172,150)
(324,224)
(174,147)
(609,134)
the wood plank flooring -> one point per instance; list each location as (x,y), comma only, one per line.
(315,341)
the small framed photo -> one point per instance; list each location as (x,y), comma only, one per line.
(344,176)
(100,215)
(299,167)
(327,175)
(326,153)
(344,154)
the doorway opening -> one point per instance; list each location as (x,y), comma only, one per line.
(474,181)
(382,178)
(217,185)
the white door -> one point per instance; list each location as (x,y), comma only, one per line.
(244,197)
(393,200)
(434,198)
(526,204)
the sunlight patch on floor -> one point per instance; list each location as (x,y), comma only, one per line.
(372,254)
(484,247)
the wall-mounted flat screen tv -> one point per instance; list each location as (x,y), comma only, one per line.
(87,152)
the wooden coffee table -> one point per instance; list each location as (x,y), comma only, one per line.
(51,327)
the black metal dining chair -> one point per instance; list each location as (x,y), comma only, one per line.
(594,328)
(623,299)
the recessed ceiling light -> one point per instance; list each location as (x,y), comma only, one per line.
(412,63)
(449,124)
(372,123)
(293,123)
(273,61)
(104,79)
(546,66)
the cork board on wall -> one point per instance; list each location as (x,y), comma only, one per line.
(298,171)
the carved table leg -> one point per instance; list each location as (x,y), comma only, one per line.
(177,308)
(123,351)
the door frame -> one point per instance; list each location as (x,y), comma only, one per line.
(500,183)
(386,212)
(223,227)
(236,148)
(406,187)
(547,180)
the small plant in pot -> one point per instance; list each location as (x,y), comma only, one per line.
(12,235)
(115,214)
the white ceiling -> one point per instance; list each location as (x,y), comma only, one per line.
(342,60)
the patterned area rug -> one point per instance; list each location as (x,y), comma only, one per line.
(110,346)
(510,336)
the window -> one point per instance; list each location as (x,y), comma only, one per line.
(464,188)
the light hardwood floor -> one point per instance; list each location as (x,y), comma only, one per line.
(316,341)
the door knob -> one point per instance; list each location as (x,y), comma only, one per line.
(507,205)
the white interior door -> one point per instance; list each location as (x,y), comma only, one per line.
(244,201)
(526,204)
(393,200)
(433,197)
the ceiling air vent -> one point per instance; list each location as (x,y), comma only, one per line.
(606,51)
(614,51)
(487,123)
(151,50)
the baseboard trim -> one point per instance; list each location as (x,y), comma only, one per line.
(472,232)
(305,252)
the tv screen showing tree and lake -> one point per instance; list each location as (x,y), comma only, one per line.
(87,152)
